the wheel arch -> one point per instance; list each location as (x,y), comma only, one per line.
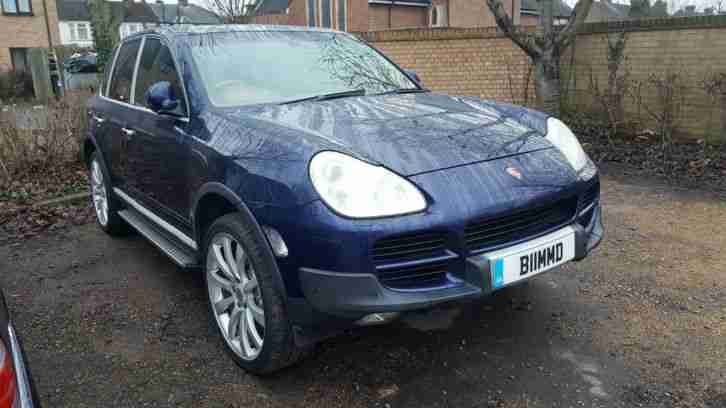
(219,194)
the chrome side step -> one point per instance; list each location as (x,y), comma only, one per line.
(182,255)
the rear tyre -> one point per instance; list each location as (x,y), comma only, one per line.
(245,301)
(105,204)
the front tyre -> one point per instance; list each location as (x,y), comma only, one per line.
(245,301)
(105,205)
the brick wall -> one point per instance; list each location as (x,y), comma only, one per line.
(279,19)
(481,62)
(474,61)
(475,13)
(692,47)
(27,31)
(379,17)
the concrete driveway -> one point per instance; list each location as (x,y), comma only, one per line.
(112,323)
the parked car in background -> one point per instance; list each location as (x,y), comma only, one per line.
(319,185)
(81,63)
(16,384)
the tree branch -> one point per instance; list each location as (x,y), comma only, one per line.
(577,18)
(524,40)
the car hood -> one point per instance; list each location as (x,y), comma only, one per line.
(411,133)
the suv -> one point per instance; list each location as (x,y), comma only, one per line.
(319,186)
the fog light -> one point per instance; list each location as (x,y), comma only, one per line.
(276,242)
(377,318)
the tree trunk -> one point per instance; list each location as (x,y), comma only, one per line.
(547,84)
(723,115)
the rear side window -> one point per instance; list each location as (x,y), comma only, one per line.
(156,64)
(123,72)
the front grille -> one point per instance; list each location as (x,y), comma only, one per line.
(415,277)
(518,225)
(408,247)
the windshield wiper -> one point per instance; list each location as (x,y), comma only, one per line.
(328,96)
(404,91)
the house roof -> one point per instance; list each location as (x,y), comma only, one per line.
(605,10)
(135,12)
(265,7)
(532,7)
(176,13)
(77,10)
(72,10)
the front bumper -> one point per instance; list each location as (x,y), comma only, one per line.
(352,295)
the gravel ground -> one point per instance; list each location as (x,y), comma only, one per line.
(641,323)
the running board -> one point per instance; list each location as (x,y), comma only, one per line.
(178,252)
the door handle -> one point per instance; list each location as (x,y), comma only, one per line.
(98,119)
(128,132)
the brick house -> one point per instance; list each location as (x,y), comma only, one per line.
(377,15)
(26,24)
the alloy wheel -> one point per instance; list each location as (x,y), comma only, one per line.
(99,194)
(235,296)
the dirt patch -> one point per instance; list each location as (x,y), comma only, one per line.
(20,219)
(665,286)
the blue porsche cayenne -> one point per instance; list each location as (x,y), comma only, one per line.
(318,185)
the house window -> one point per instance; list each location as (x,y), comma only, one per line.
(130,28)
(80,31)
(312,13)
(325,14)
(438,16)
(342,14)
(17,7)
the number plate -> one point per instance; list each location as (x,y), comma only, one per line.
(531,258)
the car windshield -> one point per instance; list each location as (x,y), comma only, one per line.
(253,67)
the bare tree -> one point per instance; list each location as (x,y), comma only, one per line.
(233,11)
(544,46)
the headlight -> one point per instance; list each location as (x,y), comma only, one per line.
(562,137)
(357,189)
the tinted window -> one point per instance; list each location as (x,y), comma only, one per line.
(156,64)
(123,72)
(281,66)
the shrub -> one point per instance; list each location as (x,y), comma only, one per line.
(32,137)
(15,85)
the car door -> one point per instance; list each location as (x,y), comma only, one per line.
(159,148)
(119,113)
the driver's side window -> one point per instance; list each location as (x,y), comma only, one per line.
(157,64)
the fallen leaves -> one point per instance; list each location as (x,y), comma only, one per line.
(19,219)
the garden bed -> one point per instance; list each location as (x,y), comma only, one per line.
(33,203)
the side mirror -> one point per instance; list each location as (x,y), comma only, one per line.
(160,98)
(414,76)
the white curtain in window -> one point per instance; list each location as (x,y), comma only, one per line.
(82,29)
(9,6)
(24,6)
